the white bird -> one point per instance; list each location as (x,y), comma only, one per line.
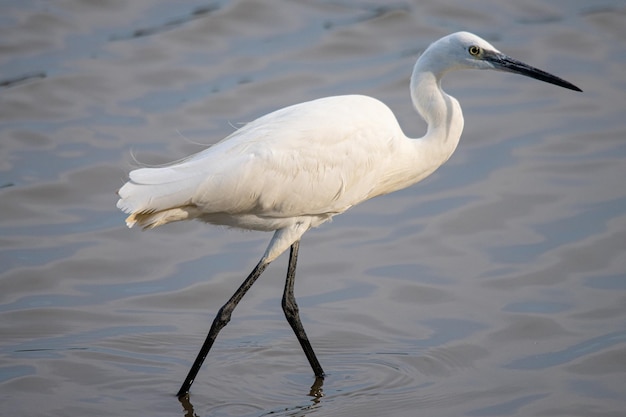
(297,167)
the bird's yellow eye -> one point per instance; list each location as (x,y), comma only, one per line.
(474,50)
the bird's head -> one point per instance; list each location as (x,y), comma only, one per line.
(462,50)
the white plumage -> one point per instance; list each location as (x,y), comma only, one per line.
(299,166)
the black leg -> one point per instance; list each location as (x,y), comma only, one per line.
(221,319)
(292,314)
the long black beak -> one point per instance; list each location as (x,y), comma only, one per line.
(508,64)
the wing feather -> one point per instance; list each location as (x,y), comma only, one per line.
(313,158)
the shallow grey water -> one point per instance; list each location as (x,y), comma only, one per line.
(495,287)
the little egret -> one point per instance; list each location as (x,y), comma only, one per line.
(297,167)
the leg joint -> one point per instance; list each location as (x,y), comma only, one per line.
(290,307)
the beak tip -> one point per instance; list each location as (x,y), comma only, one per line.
(506,63)
(573,87)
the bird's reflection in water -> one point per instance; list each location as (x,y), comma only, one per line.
(187,406)
(316,393)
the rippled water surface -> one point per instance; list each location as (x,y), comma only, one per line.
(497,287)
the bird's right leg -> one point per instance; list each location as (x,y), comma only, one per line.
(221,319)
(291,310)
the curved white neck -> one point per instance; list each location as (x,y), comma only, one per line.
(416,159)
(441,111)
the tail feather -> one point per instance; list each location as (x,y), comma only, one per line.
(157,176)
(154,197)
(152,220)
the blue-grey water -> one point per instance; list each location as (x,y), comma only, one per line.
(496,287)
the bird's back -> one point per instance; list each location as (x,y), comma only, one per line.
(313,159)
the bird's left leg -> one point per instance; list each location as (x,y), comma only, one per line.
(292,312)
(221,319)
